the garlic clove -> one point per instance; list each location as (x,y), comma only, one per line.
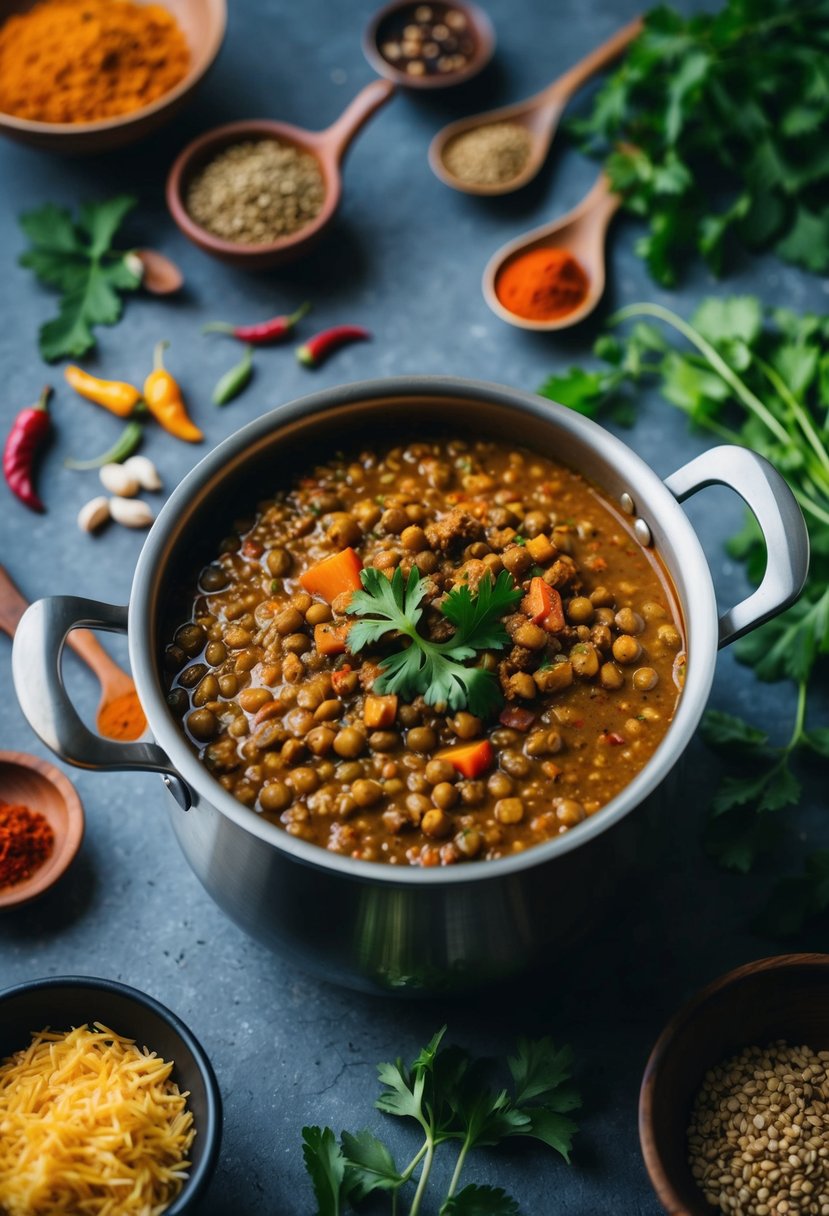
(144,471)
(130,512)
(118,480)
(93,515)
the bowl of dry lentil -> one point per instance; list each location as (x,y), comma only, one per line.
(734,1107)
(417,838)
(86,76)
(259,193)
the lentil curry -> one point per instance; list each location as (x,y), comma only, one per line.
(581,670)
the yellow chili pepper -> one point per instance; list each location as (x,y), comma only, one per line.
(114,395)
(165,402)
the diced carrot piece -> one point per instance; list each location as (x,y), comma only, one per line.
(538,602)
(517,718)
(472,759)
(380,712)
(554,620)
(333,575)
(541,549)
(330,639)
(339,678)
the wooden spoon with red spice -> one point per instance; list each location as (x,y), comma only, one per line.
(120,715)
(566,289)
(539,116)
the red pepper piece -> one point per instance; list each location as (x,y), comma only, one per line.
(29,430)
(273,330)
(312,352)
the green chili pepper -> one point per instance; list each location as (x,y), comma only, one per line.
(123,447)
(234,381)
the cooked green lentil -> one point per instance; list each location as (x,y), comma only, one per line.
(257,191)
(295,729)
(758,1140)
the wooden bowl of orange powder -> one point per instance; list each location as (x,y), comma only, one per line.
(41,827)
(81,76)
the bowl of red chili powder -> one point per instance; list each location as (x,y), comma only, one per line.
(41,827)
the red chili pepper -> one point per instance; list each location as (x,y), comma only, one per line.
(312,352)
(25,439)
(273,330)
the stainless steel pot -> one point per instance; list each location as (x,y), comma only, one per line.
(366,924)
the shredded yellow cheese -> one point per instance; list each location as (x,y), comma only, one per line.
(90,1125)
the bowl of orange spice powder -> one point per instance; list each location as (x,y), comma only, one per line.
(41,827)
(82,76)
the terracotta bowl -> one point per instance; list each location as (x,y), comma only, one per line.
(72,1000)
(203,23)
(786,997)
(40,786)
(480,27)
(328,146)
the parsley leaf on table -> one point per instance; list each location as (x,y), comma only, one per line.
(435,670)
(77,258)
(450,1096)
(712,128)
(759,378)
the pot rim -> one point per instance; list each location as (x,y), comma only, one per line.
(700,614)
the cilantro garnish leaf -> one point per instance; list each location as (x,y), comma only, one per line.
(480,1201)
(326,1165)
(435,670)
(370,1165)
(77,258)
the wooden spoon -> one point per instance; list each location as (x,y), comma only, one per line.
(539,115)
(120,715)
(581,232)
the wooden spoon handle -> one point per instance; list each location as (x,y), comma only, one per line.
(82,641)
(335,140)
(562,89)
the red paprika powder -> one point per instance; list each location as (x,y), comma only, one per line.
(542,285)
(26,841)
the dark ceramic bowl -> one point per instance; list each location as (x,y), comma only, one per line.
(480,28)
(786,997)
(72,1000)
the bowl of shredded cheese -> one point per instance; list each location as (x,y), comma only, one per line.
(108,1103)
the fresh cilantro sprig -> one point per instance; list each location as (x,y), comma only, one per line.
(77,257)
(761,380)
(714,126)
(451,1098)
(435,670)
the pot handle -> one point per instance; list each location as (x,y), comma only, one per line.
(38,682)
(781,521)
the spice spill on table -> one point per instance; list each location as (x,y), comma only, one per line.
(26,842)
(489,155)
(257,191)
(77,61)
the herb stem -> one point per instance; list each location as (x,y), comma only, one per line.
(415,1161)
(808,504)
(424,1176)
(802,416)
(459,1164)
(752,402)
(800,717)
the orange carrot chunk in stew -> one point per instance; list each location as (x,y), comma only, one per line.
(540,601)
(333,575)
(380,712)
(330,639)
(472,760)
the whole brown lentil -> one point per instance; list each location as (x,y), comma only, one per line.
(257,191)
(758,1139)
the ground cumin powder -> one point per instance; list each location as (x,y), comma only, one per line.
(72,61)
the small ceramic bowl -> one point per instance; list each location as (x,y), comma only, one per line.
(481,31)
(68,1001)
(786,997)
(40,786)
(203,23)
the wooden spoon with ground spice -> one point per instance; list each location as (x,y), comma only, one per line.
(501,150)
(120,715)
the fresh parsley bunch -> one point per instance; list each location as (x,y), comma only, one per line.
(760,379)
(715,125)
(450,1097)
(77,257)
(435,670)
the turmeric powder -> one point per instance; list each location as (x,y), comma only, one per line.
(75,61)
